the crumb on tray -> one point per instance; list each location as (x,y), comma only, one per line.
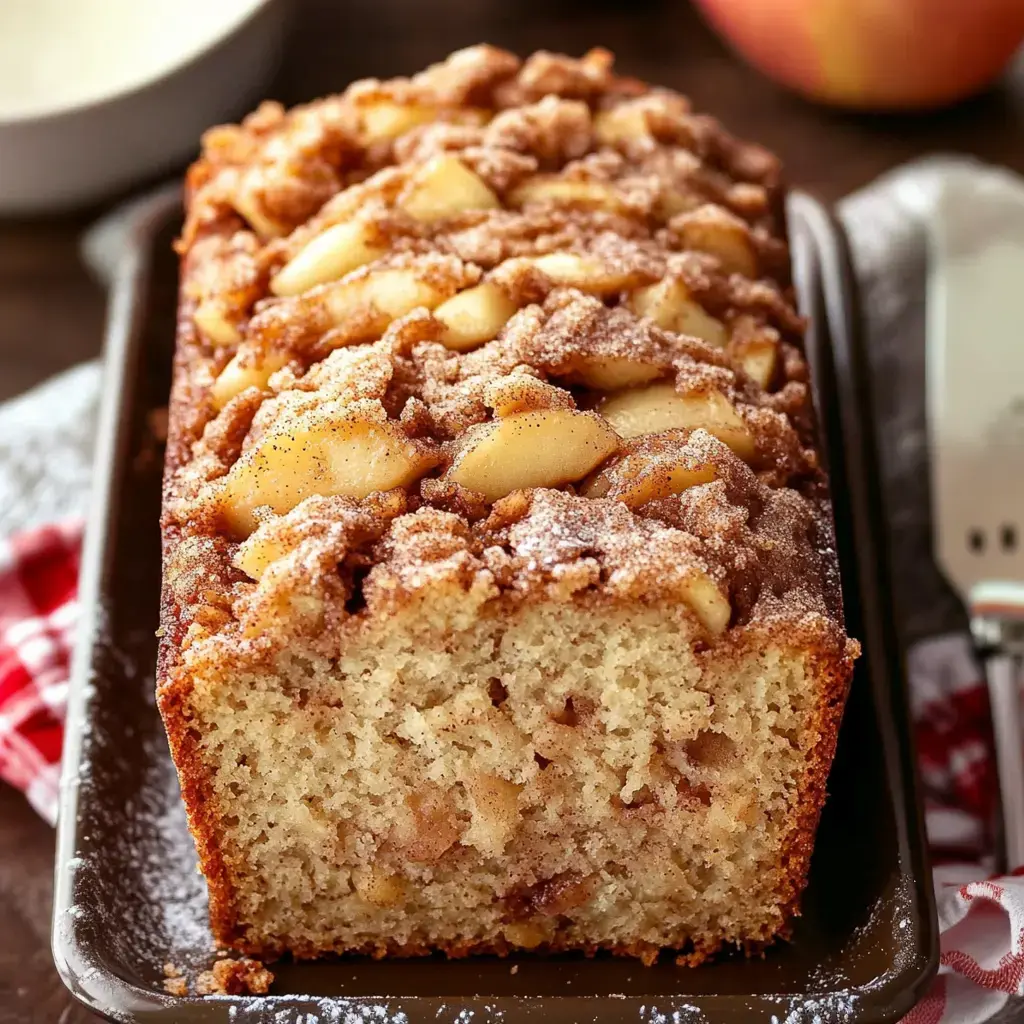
(235,978)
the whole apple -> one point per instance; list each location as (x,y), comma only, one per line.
(874,54)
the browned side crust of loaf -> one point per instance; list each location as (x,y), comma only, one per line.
(795,861)
(211,221)
(186,411)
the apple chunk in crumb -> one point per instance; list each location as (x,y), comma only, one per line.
(659,407)
(362,306)
(379,887)
(674,201)
(474,316)
(260,549)
(494,804)
(612,373)
(249,201)
(385,120)
(707,601)
(713,230)
(637,118)
(671,306)
(553,188)
(278,536)
(624,123)
(652,467)
(246,369)
(758,355)
(333,253)
(344,450)
(539,448)
(521,392)
(211,317)
(445,187)
(523,934)
(588,273)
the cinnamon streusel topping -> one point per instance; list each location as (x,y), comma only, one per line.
(522,326)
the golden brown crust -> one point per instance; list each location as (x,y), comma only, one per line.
(634,242)
(795,861)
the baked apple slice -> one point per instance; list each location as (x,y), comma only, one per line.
(659,407)
(712,230)
(445,187)
(338,449)
(553,188)
(588,273)
(708,601)
(332,254)
(758,356)
(670,305)
(474,316)
(655,466)
(539,448)
(384,120)
(365,304)
(213,322)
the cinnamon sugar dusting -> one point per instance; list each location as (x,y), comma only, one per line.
(382,264)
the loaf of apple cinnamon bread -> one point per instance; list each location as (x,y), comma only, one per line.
(500,603)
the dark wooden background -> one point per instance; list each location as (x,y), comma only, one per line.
(51,311)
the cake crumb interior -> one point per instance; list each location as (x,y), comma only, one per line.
(560,775)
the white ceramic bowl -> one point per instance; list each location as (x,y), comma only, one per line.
(76,153)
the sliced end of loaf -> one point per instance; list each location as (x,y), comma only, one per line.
(476,776)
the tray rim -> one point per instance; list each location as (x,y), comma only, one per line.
(118,999)
(859,442)
(874,565)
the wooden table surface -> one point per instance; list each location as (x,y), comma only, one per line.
(51,311)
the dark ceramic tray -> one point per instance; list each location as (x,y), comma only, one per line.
(129,900)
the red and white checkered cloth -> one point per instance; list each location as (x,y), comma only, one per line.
(38,608)
(982,920)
